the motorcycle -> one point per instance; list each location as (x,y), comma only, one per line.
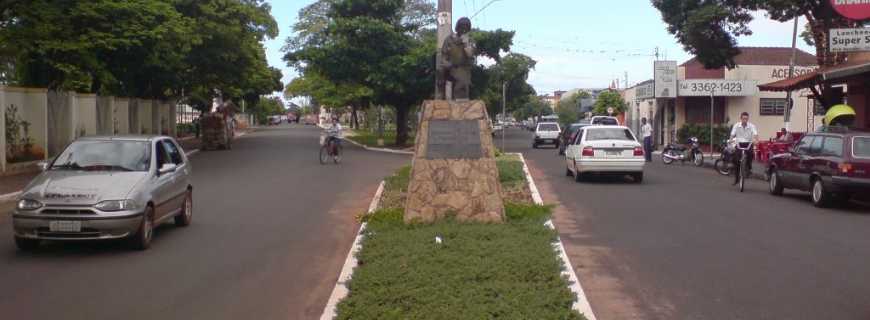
(688,152)
(723,165)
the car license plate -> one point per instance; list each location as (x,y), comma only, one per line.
(65,226)
(613,153)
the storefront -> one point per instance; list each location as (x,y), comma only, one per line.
(726,93)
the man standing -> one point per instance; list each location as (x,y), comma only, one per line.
(646,131)
(745,134)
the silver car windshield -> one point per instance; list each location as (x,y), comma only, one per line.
(105,156)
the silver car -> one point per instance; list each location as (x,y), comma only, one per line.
(106,188)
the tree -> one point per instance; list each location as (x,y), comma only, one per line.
(708,29)
(609,99)
(267,107)
(568,109)
(535,107)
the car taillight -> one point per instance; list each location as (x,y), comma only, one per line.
(846,168)
(588,152)
(638,151)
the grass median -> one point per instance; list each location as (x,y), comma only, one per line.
(477,271)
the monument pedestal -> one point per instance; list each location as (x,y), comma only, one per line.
(453,169)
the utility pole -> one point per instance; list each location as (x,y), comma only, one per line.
(626,80)
(503,111)
(788,100)
(712,114)
(445,23)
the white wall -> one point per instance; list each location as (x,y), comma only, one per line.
(32,107)
(121,116)
(85,115)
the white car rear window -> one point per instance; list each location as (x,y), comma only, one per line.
(595,134)
(861,147)
(548,127)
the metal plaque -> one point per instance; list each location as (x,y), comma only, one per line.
(454,139)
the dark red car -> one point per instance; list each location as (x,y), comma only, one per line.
(833,165)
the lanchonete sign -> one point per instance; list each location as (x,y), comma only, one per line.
(852,9)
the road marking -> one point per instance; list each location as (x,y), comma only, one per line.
(582,303)
(340,291)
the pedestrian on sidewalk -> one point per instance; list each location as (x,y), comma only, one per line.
(646,131)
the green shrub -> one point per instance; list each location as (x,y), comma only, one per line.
(702,132)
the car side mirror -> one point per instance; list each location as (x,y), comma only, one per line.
(167,168)
(43,165)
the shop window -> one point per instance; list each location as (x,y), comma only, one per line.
(772,107)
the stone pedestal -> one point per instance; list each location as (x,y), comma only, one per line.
(453,169)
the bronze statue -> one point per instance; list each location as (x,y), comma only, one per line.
(457,54)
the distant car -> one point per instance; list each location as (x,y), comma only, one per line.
(497,128)
(605,150)
(568,135)
(833,165)
(605,120)
(102,188)
(546,133)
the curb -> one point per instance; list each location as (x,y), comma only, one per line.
(340,291)
(378,149)
(581,304)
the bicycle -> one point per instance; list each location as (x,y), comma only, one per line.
(722,165)
(743,165)
(330,148)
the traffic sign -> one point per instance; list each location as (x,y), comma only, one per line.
(852,9)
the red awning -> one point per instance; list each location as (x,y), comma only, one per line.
(791,84)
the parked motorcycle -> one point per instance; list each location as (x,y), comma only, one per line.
(723,164)
(688,152)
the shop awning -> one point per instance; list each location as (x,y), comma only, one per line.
(791,84)
(827,75)
(845,71)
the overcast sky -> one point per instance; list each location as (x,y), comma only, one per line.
(577,43)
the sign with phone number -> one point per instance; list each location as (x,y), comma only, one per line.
(719,88)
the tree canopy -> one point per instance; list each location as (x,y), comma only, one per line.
(352,53)
(609,99)
(707,29)
(140,48)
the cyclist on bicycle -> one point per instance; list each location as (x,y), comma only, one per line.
(745,134)
(333,134)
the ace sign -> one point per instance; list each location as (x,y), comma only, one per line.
(849,40)
(852,9)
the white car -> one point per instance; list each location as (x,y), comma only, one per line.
(609,150)
(547,133)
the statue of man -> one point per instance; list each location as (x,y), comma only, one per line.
(458,57)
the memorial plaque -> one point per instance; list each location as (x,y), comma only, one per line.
(454,139)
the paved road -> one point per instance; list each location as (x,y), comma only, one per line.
(270,233)
(687,245)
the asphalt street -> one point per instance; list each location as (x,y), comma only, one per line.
(270,232)
(686,244)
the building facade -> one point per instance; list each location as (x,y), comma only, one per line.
(730,92)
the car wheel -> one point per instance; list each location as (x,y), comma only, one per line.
(142,239)
(534,145)
(638,177)
(821,197)
(24,244)
(184,218)
(775,184)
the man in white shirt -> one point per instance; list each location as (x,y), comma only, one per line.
(646,131)
(744,133)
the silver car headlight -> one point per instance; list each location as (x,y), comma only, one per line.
(117,205)
(29,205)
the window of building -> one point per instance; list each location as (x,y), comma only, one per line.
(772,107)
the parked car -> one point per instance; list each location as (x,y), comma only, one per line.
(568,135)
(834,165)
(546,133)
(605,150)
(605,120)
(102,188)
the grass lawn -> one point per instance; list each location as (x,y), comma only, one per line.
(478,271)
